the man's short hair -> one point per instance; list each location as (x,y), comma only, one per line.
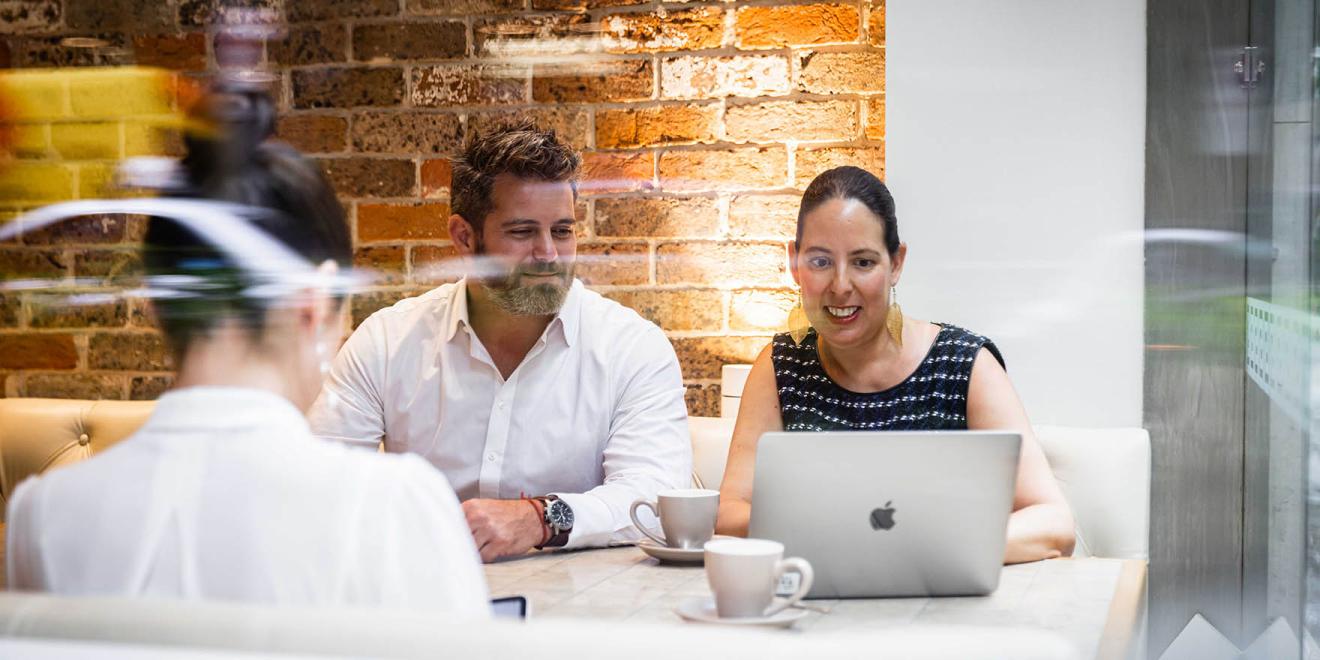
(519,149)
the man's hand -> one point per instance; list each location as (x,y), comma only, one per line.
(503,527)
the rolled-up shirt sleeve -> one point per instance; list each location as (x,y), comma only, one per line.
(648,449)
(350,407)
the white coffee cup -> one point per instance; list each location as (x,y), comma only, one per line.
(687,516)
(743,574)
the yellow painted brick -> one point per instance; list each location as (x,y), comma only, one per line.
(143,139)
(85,140)
(36,182)
(119,92)
(161,135)
(35,95)
(30,140)
(94,180)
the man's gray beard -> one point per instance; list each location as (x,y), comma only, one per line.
(530,300)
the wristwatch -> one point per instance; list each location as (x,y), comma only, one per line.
(558,520)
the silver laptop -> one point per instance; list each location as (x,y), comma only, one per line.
(882,514)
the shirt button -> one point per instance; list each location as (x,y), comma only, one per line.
(500,404)
(491,457)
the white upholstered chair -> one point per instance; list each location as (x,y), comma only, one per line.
(710,449)
(1104,473)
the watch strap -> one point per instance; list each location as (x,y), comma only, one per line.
(558,538)
(539,505)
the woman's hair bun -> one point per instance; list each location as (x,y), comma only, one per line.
(234,120)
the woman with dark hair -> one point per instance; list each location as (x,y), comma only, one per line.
(224,493)
(852,361)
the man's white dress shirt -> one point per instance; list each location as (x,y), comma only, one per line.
(594,414)
(224,494)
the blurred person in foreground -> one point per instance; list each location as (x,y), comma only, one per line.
(853,361)
(224,494)
(549,407)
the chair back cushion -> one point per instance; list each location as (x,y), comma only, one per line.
(1105,474)
(710,449)
(39,434)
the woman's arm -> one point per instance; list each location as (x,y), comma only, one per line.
(1041,526)
(758,413)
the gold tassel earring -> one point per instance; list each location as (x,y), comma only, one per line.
(798,323)
(894,318)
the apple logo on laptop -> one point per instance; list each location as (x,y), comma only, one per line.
(883,518)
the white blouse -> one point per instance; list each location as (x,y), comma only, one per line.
(224,494)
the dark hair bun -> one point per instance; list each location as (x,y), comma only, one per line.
(234,120)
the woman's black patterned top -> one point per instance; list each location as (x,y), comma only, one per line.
(934,397)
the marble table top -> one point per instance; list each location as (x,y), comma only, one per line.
(1084,600)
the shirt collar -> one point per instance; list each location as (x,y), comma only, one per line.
(458,311)
(214,407)
(567,320)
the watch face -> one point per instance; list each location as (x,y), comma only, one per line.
(560,515)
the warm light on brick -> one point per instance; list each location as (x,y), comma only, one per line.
(573,124)
(698,310)
(462,84)
(780,121)
(619,80)
(617,172)
(385,264)
(398,222)
(839,73)
(725,169)
(658,125)
(692,217)
(314,133)
(713,77)
(797,25)
(613,263)
(436,177)
(725,265)
(761,311)
(763,216)
(690,29)
(811,162)
(875,24)
(875,118)
(699,124)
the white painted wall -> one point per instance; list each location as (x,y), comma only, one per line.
(1016,137)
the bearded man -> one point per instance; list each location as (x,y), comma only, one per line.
(549,408)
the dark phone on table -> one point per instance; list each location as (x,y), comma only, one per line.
(512,607)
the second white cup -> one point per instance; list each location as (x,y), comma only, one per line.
(743,574)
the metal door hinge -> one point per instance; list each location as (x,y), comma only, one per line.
(1249,67)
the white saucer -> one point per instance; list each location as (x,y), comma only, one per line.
(702,610)
(675,555)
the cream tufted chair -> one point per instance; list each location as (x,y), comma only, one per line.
(1104,474)
(710,449)
(39,434)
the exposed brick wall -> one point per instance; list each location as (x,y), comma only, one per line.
(68,128)
(701,122)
